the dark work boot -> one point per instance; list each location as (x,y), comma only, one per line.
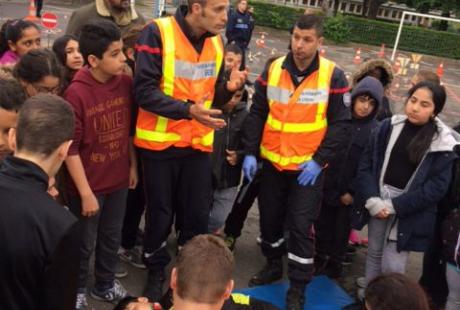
(271,272)
(334,269)
(295,297)
(154,288)
(321,264)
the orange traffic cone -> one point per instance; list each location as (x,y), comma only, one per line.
(440,70)
(381,53)
(322,52)
(357,59)
(32,11)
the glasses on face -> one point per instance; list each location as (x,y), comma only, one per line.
(47,90)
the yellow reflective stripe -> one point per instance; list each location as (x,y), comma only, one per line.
(282,160)
(155,136)
(169,49)
(241,299)
(207,104)
(206,140)
(274,75)
(216,41)
(168,67)
(295,127)
(325,67)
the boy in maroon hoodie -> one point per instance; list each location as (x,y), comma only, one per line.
(101,160)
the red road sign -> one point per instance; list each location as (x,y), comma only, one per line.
(49,20)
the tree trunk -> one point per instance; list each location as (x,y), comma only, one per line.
(374,6)
(336,7)
(325,8)
(443,25)
(365,7)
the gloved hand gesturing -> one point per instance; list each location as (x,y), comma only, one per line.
(249,167)
(310,172)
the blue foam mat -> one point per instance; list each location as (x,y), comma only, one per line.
(322,294)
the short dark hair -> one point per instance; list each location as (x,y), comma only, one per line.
(395,291)
(36,64)
(12,31)
(191,2)
(96,37)
(12,95)
(310,21)
(204,268)
(45,122)
(232,47)
(131,36)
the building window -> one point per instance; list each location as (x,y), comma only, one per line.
(343,6)
(414,18)
(352,8)
(380,12)
(313,3)
(320,3)
(385,13)
(394,14)
(359,9)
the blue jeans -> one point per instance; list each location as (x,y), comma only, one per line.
(101,232)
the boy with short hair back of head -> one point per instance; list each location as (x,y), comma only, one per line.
(12,97)
(203,273)
(101,160)
(40,238)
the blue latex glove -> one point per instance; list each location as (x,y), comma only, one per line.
(309,174)
(249,167)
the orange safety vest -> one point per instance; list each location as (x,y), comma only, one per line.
(296,123)
(187,75)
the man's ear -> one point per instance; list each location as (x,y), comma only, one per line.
(93,61)
(321,41)
(12,139)
(196,8)
(130,53)
(64,149)
(229,289)
(173,281)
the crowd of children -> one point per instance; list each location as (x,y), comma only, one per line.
(391,174)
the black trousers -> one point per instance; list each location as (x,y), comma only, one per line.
(247,194)
(38,6)
(332,230)
(180,186)
(134,210)
(284,204)
(433,278)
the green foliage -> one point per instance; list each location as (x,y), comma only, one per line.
(360,30)
(336,30)
(275,16)
(413,39)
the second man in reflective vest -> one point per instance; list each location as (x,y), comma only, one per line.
(297,121)
(178,86)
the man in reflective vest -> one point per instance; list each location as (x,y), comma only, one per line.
(298,119)
(179,77)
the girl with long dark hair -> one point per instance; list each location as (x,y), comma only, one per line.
(405,171)
(67,50)
(17,37)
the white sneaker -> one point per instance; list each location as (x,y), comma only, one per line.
(361,282)
(81,303)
